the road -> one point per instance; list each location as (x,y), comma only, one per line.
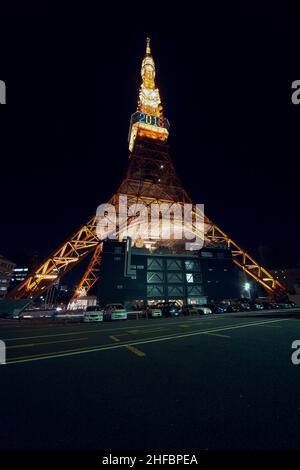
(214,382)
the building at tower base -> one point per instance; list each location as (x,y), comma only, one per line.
(137,276)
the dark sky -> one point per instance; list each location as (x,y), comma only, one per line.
(225,81)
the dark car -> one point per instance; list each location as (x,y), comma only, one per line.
(271,305)
(286,304)
(231,308)
(169,309)
(255,305)
(245,305)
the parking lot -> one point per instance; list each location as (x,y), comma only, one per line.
(203,382)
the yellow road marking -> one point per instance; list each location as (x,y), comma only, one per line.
(30,345)
(216,334)
(76,351)
(114,338)
(136,351)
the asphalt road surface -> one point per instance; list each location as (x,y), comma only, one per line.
(215,382)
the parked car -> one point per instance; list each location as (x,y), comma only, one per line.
(169,309)
(286,304)
(153,311)
(244,305)
(93,314)
(270,305)
(256,305)
(197,309)
(232,308)
(216,308)
(115,312)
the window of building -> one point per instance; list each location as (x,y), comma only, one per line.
(175,277)
(196,300)
(155,264)
(154,277)
(193,277)
(192,265)
(175,291)
(174,264)
(155,291)
(195,290)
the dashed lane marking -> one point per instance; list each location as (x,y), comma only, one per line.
(114,338)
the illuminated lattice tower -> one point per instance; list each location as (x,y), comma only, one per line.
(150,178)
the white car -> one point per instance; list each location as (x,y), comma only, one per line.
(93,314)
(155,312)
(115,312)
(198,308)
(205,310)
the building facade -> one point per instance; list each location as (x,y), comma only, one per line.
(6,271)
(136,276)
(19,275)
(24,263)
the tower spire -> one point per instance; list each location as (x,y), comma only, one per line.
(148,85)
(148,121)
(148,49)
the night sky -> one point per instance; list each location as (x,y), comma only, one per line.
(225,82)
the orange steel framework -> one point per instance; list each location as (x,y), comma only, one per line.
(151,178)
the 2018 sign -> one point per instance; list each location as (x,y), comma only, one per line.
(152,120)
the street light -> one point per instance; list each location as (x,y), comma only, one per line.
(247,287)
